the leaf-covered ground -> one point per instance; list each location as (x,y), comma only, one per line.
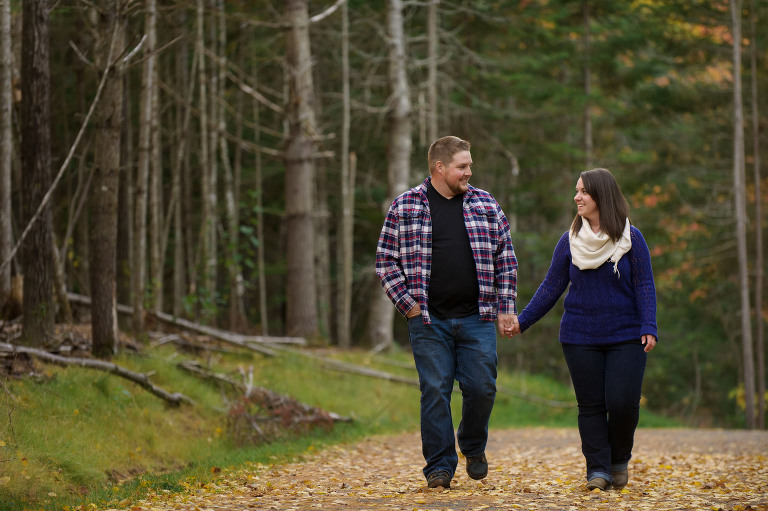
(533,469)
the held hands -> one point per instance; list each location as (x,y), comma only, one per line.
(508,325)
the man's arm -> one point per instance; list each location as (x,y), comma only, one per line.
(505,267)
(389,266)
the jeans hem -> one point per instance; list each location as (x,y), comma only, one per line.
(605,476)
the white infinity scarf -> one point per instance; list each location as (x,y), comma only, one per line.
(589,250)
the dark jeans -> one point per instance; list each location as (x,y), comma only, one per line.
(607,381)
(462,349)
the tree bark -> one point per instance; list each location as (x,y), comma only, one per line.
(37,249)
(6,148)
(125,201)
(260,250)
(760,333)
(588,141)
(382,313)
(212,264)
(180,172)
(104,189)
(345,255)
(301,311)
(739,192)
(433,44)
(139,274)
(237,319)
(206,221)
(155,227)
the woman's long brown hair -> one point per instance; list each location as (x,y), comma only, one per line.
(611,203)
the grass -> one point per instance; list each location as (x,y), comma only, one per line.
(72,437)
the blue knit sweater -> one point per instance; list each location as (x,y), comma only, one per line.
(601,307)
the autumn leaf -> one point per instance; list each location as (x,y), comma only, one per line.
(532,469)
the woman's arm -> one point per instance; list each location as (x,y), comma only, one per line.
(551,288)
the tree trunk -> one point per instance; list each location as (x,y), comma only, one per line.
(212,264)
(433,43)
(759,340)
(588,141)
(301,311)
(345,255)
(382,313)
(236,318)
(180,172)
(104,189)
(206,222)
(6,148)
(139,274)
(260,263)
(125,202)
(739,192)
(37,249)
(155,175)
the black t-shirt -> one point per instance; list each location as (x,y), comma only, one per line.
(453,288)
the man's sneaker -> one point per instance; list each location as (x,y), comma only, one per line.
(439,479)
(477,466)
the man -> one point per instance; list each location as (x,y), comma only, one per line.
(445,259)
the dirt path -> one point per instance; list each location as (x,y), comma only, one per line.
(532,469)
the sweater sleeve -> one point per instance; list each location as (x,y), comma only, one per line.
(642,284)
(551,288)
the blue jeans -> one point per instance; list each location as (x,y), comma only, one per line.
(462,349)
(607,381)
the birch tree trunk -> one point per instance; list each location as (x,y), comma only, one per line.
(760,337)
(104,189)
(741,217)
(301,311)
(6,148)
(37,249)
(260,255)
(382,313)
(139,273)
(433,43)
(347,178)
(236,318)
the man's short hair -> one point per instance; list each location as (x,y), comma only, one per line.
(443,150)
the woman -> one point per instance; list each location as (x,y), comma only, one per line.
(609,323)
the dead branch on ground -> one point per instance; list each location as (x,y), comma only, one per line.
(141,379)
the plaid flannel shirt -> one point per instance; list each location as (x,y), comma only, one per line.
(404,252)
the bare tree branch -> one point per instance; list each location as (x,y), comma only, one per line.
(327,12)
(140,378)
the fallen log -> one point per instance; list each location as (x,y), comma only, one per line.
(141,379)
(258,343)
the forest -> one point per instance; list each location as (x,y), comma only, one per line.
(230,163)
